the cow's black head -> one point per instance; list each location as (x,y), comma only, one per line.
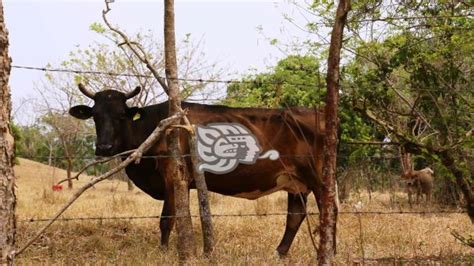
(111,116)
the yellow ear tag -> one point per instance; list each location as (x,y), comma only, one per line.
(136,116)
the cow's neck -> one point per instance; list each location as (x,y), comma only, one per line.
(136,132)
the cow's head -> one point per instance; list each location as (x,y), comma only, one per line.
(111,116)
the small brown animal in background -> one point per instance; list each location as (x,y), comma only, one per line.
(419,182)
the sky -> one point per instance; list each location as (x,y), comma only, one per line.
(44,32)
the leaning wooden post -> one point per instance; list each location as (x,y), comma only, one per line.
(7,177)
(201,186)
(186,241)
(328,216)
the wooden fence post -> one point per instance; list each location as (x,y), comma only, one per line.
(186,241)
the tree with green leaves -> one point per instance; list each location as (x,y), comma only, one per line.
(415,83)
(407,71)
(294,81)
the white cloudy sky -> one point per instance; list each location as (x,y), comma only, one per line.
(43,32)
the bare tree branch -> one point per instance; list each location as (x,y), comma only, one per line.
(133,47)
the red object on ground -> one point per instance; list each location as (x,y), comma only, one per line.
(57,187)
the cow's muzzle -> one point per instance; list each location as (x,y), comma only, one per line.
(104,150)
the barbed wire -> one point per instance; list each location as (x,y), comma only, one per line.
(67,219)
(413,18)
(381,19)
(194,155)
(226,81)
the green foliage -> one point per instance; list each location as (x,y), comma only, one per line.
(30,142)
(294,81)
(41,142)
(430,71)
(97,27)
(418,80)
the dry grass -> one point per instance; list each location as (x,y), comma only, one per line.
(240,240)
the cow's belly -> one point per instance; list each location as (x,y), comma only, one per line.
(252,186)
(283,182)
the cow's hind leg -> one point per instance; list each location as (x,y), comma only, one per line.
(296,215)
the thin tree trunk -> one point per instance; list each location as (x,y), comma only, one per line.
(405,161)
(7,177)
(186,241)
(68,159)
(328,216)
(69,173)
(464,184)
(204,208)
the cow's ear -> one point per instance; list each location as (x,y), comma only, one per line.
(81,111)
(135,113)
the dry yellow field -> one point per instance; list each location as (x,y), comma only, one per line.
(240,240)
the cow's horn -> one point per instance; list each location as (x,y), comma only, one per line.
(85,91)
(133,93)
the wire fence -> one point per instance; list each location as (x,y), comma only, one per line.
(68,219)
(89,158)
(226,81)
(200,80)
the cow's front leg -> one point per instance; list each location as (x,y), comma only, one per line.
(167,219)
(168,213)
(296,215)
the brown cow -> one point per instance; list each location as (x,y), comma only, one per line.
(292,132)
(419,182)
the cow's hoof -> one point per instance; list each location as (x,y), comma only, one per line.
(282,252)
